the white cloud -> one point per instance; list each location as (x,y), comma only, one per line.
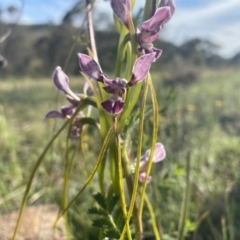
(219,22)
(215,20)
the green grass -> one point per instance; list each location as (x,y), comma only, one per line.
(203,119)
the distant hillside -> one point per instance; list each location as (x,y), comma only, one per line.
(37,49)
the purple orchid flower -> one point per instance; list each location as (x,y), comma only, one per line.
(158,156)
(61,82)
(147,32)
(118,86)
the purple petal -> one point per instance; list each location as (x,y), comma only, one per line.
(168,3)
(116,86)
(73,101)
(76,131)
(159,153)
(60,80)
(119,10)
(142,177)
(113,106)
(53,114)
(148,38)
(67,111)
(157,21)
(158,52)
(141,68)
(90,67)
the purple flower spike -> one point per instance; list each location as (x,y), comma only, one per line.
(159,155)
(141,68)
(119,10)
(90,67)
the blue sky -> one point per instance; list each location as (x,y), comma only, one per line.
(215,20)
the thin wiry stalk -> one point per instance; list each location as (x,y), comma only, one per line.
(153,219)
(135,185)
(29,184)
(185,202)
(154,140)
(100,156)
(120,179)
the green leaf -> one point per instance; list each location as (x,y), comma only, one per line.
(88,101)
(118,218)
(97,211)
(100,200)
(102,223)
(88,121)
(112,234)
(113,203)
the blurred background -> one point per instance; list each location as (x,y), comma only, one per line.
(197,81)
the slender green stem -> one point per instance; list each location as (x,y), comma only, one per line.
(129,182)
(135,185)
(185,202)
(120,179)
(99,159)
(153,219)
(224,228)
(66,179)
(29,184)
(154,140)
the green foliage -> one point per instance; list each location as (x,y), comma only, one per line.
(109,216)
(193,122)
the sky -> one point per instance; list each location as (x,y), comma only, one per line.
(214,20)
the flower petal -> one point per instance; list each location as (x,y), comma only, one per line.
(159,153)
(156,22)
(73,101)
(168,3)
(119,10)
(90,67)
(142,177)
(67,111)
(61,80)
(141,68)
(116,86)
(158,52)
(53,114)
(113,106)
(76,131)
